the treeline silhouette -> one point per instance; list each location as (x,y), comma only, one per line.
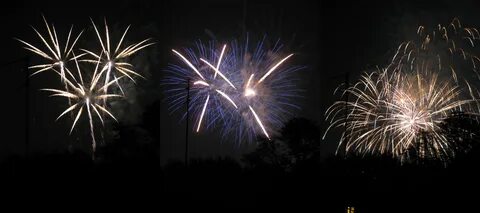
(286,172)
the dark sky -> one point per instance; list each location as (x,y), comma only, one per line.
(331,38)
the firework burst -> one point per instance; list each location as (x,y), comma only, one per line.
(401,110)
(89,97)
(245,92)
(395,113)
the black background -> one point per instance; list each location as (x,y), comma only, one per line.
(331,38)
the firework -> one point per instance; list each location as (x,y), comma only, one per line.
(89,97)
(225,90)
(395,113)
(401,110)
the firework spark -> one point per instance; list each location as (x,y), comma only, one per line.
(203,113)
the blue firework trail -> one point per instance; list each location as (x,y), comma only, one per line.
(243,90)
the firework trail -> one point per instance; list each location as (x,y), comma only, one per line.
(226,90)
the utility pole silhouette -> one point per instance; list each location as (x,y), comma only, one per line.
(186,127)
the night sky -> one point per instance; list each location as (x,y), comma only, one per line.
(331,38)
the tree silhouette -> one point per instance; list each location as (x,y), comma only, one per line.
(463,131)
(462,135)
(297,143)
